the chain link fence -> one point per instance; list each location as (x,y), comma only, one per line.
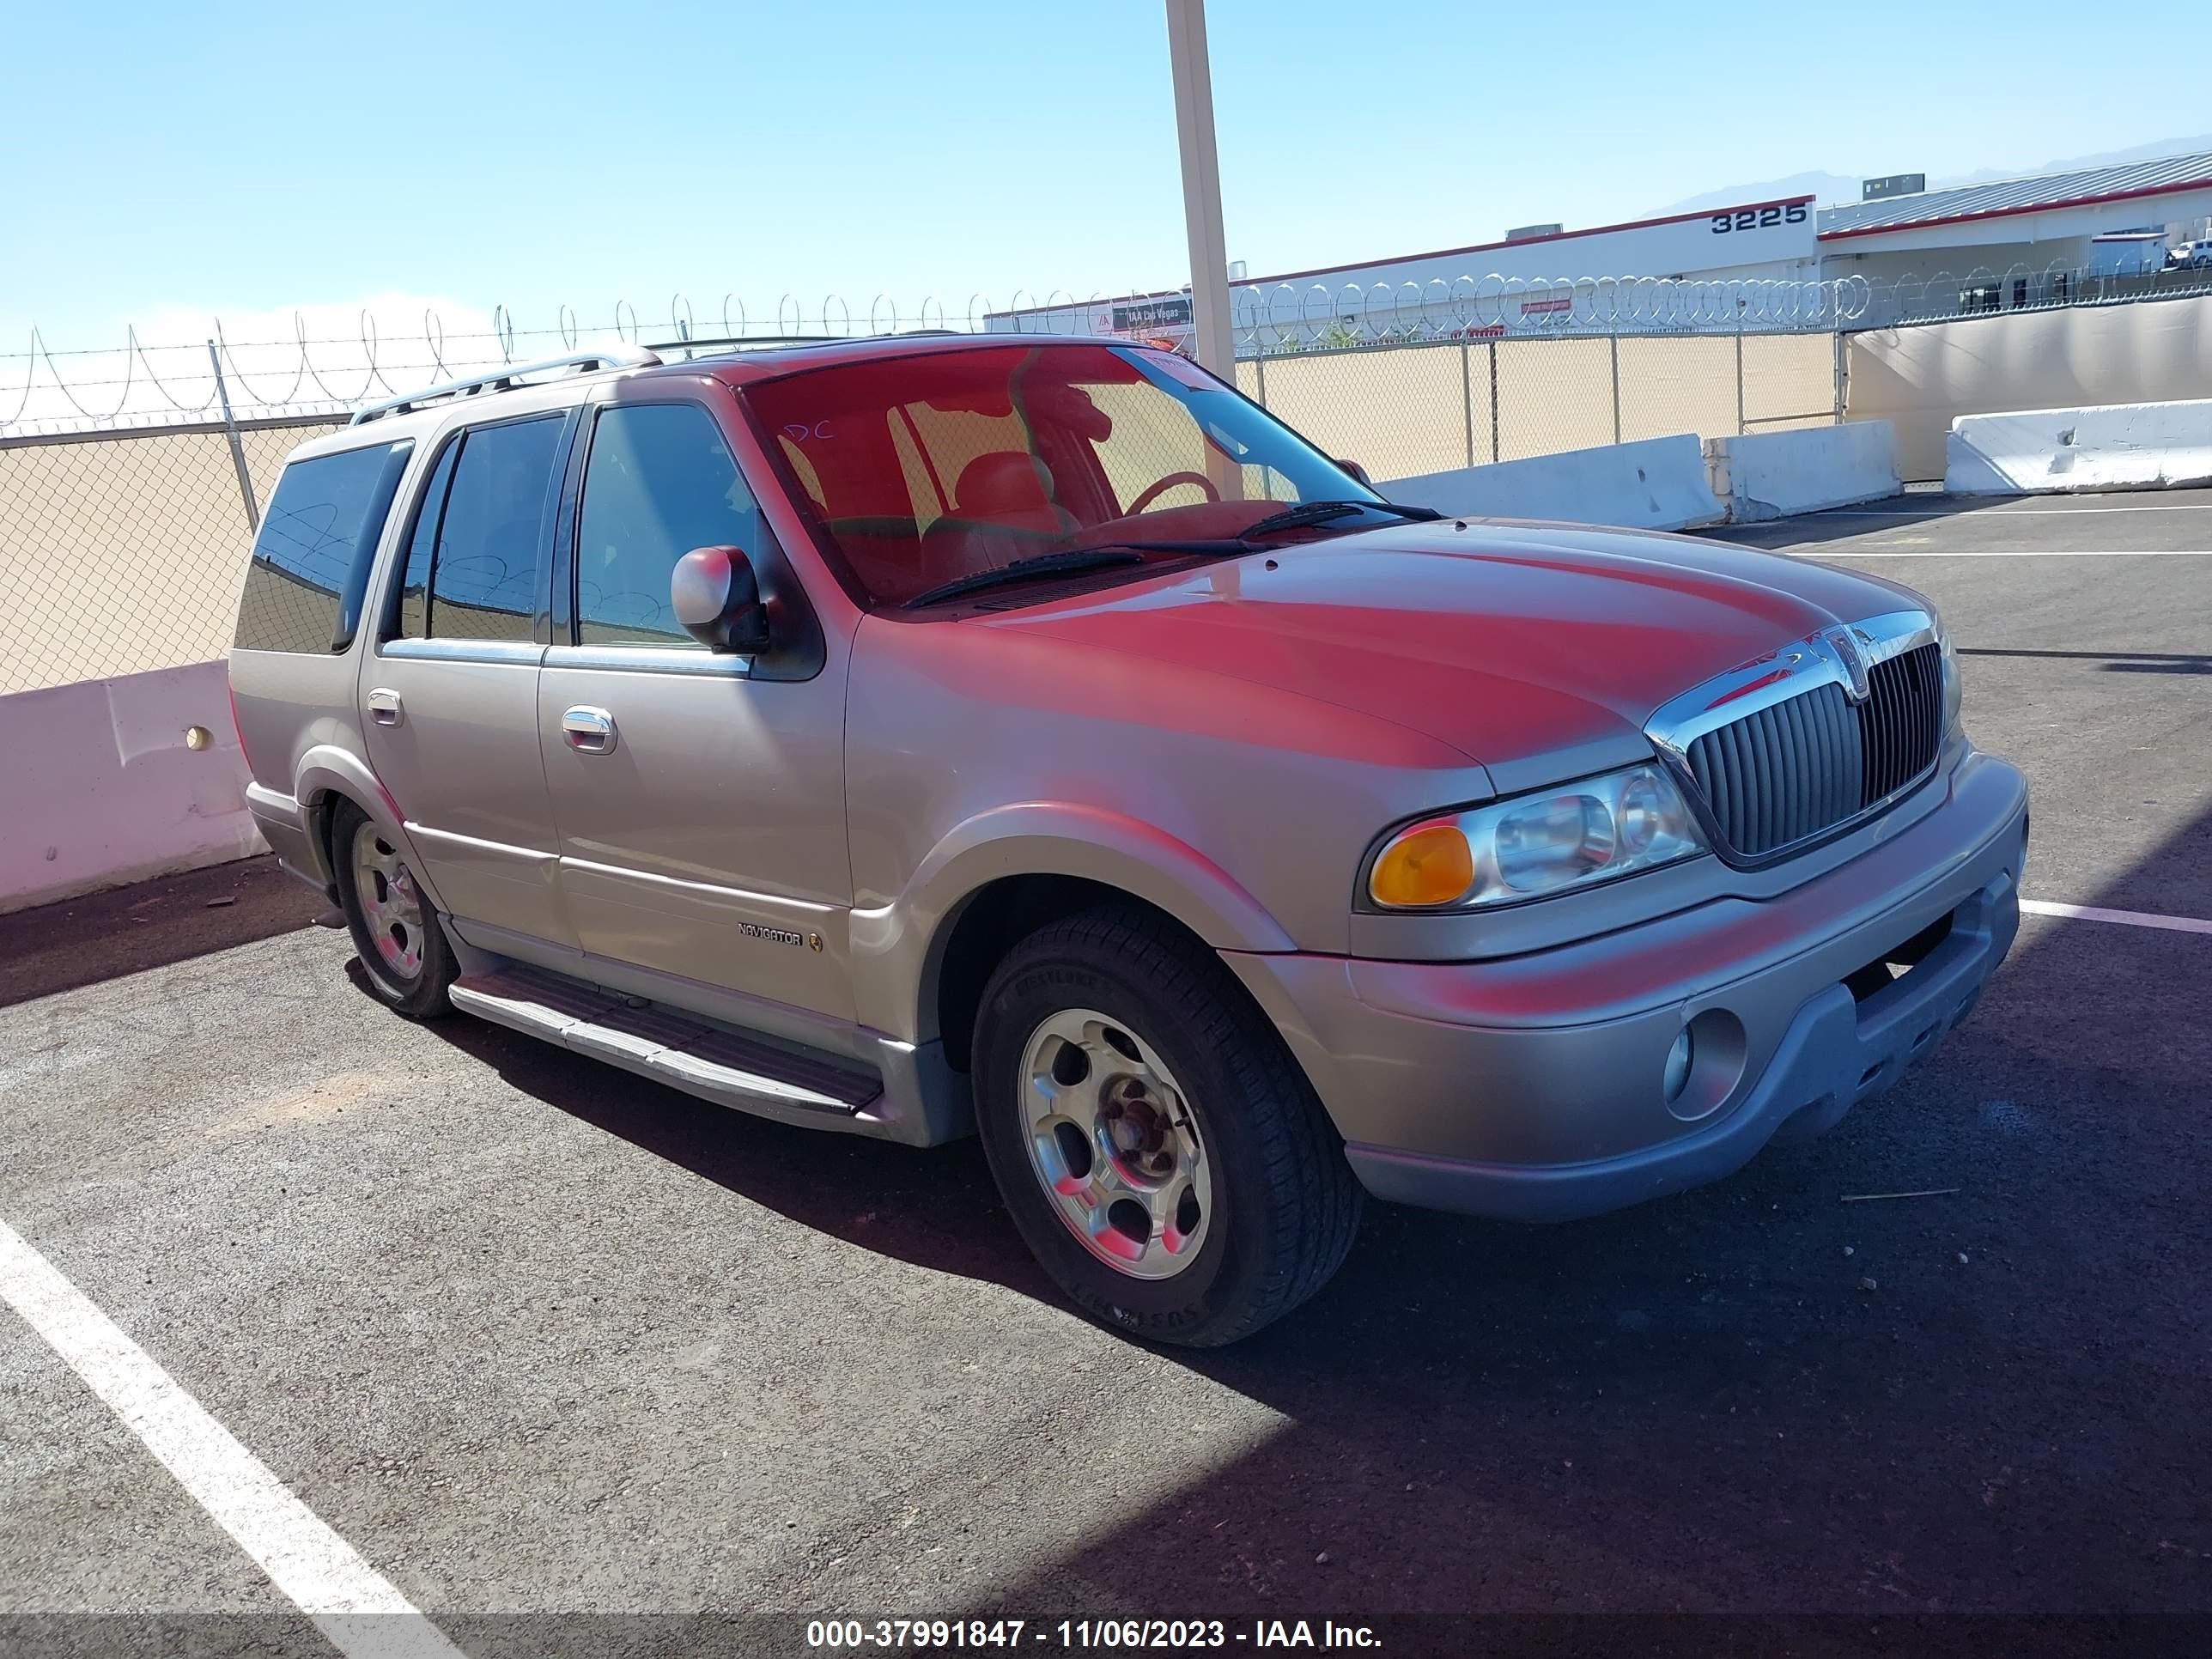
(122,552)
(1401,410)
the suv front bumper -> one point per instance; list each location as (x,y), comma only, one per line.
(1533,1088)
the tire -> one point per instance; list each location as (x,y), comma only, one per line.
(404,954)
(1134,1106)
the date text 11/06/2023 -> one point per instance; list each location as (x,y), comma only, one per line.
(1081,1635)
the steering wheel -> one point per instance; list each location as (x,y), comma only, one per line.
(1153,491)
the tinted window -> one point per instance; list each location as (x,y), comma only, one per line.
(311,559)
(661,482)
(415,581)
(483,570)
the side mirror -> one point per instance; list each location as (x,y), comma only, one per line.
(715,596)
(1357,471)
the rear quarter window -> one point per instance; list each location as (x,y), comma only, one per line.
(309,573)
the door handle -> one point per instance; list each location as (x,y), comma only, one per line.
(589,731)
(383,707)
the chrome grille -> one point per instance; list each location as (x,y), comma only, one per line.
(1901,719)
(1793,768)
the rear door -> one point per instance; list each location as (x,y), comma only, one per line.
(700,798)
(449,697)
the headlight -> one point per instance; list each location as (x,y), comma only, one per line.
(1536,844)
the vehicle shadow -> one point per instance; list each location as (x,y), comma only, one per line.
(2113,662)
(935,1208)
(59,947)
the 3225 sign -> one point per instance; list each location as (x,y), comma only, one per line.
(1759,218)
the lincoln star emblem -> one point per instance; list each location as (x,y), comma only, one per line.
(1854,661)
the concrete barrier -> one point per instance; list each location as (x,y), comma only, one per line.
(1658,483)
(103,785)
(1772,475)
(2057,450)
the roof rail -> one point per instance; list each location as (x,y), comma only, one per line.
(727,343)
(506,379)
(739,342)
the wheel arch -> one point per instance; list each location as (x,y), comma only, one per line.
(993,920)
(326,775)
(1006,874)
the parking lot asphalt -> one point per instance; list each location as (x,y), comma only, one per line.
(532,1334)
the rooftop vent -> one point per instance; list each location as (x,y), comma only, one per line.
(1896,183)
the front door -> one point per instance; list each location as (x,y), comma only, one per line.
(700,808)
(449,696)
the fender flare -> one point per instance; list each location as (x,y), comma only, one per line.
(897,948)
(325,770)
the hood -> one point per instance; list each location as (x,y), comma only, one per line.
(1538,650)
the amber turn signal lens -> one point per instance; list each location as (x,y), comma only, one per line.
(1428,865)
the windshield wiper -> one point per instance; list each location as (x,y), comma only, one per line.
(1043,564)
(1312,512)
(1122,553)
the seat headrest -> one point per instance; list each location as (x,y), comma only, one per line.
(1005,481)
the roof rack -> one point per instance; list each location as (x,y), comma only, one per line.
(740,341)
(723,342)
(505,380)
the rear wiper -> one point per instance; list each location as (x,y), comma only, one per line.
(1043,564)
(1309,512)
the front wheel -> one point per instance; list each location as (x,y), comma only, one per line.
(402,949)
(1160,1150)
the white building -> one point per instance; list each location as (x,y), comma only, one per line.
(1767,264)
(2016,233)
(1642,270)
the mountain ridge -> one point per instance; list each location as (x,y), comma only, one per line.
(1834,189)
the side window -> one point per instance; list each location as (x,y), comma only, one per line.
(413,617)
(659,482)
(483,578)
(310,569)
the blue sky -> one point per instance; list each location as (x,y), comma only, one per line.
(174,162)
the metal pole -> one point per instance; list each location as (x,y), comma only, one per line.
(237,449)
(1493,401)
(1467,395)
(1842,378)
(1201,186)
(1260,365)
(1740,427)
(1614,341)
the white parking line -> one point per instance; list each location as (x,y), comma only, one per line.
(2126,918)
(1803,549)
(2005,512)
(353,1606)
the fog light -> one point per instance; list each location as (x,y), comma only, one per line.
(1678,1065)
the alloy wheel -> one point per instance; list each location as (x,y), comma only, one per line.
(390,903)
(1115,1144)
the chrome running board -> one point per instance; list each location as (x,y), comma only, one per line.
(711,1061)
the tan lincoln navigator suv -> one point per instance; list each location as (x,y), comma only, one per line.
(1032,736)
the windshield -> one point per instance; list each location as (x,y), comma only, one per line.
(925,469)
